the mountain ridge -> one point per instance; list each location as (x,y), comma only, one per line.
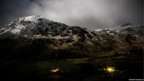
(59,36)
(31,48)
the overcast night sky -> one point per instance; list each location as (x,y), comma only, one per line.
(86,13)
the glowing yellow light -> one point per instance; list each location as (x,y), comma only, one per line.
(110,69)
(55,70)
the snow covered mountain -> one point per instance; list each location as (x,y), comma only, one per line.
(31,47)
(34,33)
(37,27)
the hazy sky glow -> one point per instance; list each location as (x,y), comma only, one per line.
(87,13)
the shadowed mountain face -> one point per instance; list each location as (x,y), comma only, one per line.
(29,44)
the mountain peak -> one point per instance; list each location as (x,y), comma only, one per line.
(39,27)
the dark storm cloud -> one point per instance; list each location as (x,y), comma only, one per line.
(91,13)
(87,13)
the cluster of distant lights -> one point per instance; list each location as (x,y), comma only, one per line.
(55,70)
(108,69)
